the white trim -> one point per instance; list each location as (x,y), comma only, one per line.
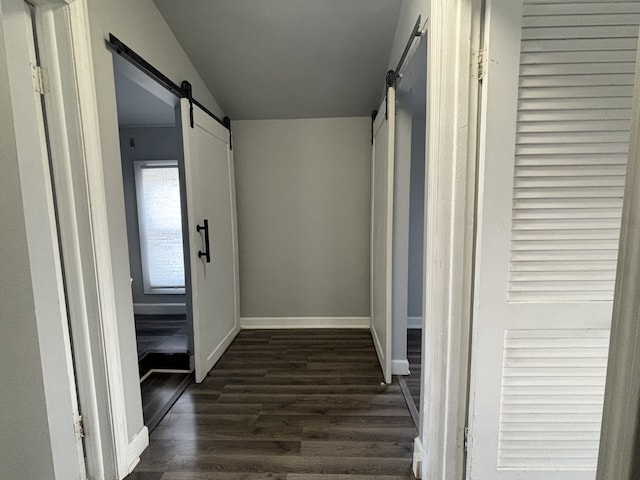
(136,447)
(234,233)
(304,322)
(414,322)
(113,392)
(453,34)
(416,464)
(618,445)
(399,367)
(160,308)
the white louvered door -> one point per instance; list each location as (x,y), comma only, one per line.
(556,117)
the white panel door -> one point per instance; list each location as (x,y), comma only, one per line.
(556,108)
(211,219)
(382,231)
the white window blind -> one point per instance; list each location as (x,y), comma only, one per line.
(160,226)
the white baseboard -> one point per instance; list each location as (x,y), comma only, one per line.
(414,322)
(417,458)
(159,308)
(400,367)
(136,447)
(304,322)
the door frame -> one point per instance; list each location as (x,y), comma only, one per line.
(72,115)
(453,52)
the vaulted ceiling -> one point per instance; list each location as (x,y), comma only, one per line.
(288,58)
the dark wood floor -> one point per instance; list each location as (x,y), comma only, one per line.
(289,405)
(410,384)
(160,391)
(414,355)
(161,334)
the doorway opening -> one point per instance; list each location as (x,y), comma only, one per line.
(150,149)
(409,221)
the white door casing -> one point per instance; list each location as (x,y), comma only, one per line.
(556,104)
(210,192)
(382,230)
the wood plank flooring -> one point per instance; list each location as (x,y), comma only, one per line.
(160,390)
(414,355)
(161,333)
(288,405)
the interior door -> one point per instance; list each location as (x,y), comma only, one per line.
(382,231)
(557,99)
(212,266)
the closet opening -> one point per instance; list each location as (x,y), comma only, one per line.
(409,223)
(179,187)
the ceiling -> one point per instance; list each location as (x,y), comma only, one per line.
(288,58)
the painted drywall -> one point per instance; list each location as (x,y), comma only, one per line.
(417,196)
(139,25)
(26,452)
(304,213)
(151,143)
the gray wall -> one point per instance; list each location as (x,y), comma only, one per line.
(304,208)
(417,193)
(151,143)
(140,25)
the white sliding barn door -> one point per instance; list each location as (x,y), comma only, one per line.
(557,101)
(382,231)
(209,179)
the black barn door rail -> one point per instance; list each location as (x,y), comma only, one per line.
(183,91)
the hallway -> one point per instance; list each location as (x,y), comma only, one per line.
(286,404)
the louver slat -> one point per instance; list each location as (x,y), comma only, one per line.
(551,402)
(574,105)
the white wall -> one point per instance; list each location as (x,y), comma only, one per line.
(304,214)
(139,25)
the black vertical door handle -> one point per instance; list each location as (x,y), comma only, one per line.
(207,251)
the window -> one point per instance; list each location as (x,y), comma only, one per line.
(160,226)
